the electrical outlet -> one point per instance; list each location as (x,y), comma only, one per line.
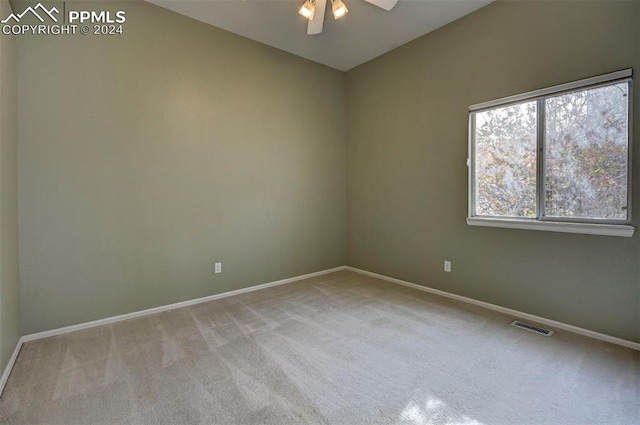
(218,268)
(447,266)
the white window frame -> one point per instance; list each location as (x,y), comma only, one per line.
(567,225)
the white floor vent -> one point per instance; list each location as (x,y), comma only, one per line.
(532,328)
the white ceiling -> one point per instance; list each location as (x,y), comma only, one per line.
(364,33)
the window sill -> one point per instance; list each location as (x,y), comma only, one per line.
(620,230)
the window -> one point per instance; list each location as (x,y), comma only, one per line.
(556,159)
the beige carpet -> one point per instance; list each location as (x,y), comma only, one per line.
(337,349)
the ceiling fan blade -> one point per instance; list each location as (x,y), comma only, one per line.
(385,4)
(315,25)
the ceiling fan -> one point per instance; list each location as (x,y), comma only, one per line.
(314,10)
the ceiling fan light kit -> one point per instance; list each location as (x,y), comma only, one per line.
(338,8)
(308,9)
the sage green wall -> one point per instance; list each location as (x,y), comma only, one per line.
(407,178)
(145,158)
(9,290)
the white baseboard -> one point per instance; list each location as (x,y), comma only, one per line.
(515,313)
(114,319)
(7,370)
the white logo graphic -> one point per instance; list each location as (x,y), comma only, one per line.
(40,7)
(84,22)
